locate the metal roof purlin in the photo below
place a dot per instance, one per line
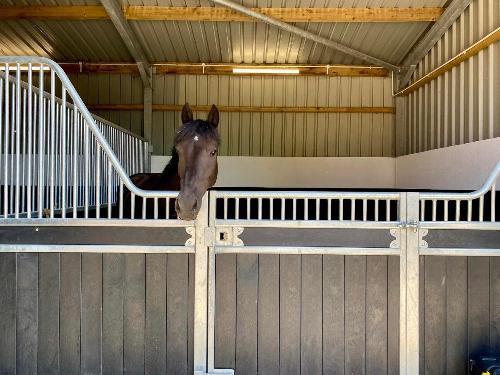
(115, 13)
(305, 34)
(418, 52)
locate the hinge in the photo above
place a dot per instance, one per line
(410, 224)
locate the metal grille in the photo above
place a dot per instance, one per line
(58, 160)
(475, 207)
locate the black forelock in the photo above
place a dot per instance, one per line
(194, 128)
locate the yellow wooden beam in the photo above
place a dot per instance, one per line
(474, 49)
(223, 108)
(226, 69)
(163, 13)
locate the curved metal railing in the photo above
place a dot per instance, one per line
(60, 161)
(476, 206)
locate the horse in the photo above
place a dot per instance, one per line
(192, 170)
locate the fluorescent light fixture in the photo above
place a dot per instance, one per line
(265, 71)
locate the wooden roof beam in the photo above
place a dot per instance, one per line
(225, 69)
(164, 13)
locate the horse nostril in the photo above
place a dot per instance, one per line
(195, 205)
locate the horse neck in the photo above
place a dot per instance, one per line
(170, 173)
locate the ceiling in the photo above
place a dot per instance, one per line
(210, 42)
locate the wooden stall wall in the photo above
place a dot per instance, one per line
(258, 134)
(96, 313)
(463, 104)
(116, 313)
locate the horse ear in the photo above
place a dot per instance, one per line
(187, 114)
(213, 116)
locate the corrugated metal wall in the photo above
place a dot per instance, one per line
(462, 105)
(259, 134)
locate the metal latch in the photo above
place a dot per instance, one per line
(410, 224)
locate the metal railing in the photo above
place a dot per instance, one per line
(477, 208)
(59, 161)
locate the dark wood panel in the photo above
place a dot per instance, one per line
(177, 314)
(268, 315)
(91, 299)
(290, 292)
(456, 316)
(355, 314)
(48, 312)
(311, 315)
(393, 315)
(225, 312)
(190, 313)
(134, 313)
(333, 314)
(435, 323)
(478, 305)
(156, 314)
(70, 313)
(7, 313)
(376, 315)
(113, 267)
(27, 314)
(495, 304)
(247, 279)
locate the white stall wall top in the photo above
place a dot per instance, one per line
(462, 167)
(297, 172)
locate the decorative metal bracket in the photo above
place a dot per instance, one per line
(191, 240)
(228, 236)
(396, 243)
(421, 242)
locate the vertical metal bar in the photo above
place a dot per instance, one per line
(259, 209)
(376, 209)
(110, 188)
(410, 289)
(18, 138)
(52, 139)
(493, 208)
(457, 210)
(446, 210)
(75, 161)
(237, 208)
(167, 208)
(24, 144)
(98, 181)
(63, 153)
(30, 136)
(306, 209)
(434, 209)
(317, 208)
(341, 209)
(329, 209)
(271, 209)
(294, 201)
(155, 208)
(365, 209)
(282, 209)
(388, 210)
(225, 208)
(120, 202)
(144, 203)
(481, 208)
(12, 148)
(132, 205)
(6, 145)
(4, 184)
(248, 208)
(204, 293)
(86, 169)
(469, 210)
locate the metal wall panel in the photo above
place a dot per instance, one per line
(462, 105)
(289, 134)
(259, 134)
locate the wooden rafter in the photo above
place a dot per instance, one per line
(163, 13)
(222, 108)
(224, 69)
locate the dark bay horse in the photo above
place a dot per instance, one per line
(192, 170)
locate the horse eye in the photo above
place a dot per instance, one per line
(213, 153)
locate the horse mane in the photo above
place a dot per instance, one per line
(171, 168)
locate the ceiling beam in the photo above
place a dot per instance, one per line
(429, 40)
(225, 69)
(114, 11)
(306, 34)
(242, 109)
(164, 13)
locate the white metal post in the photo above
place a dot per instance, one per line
(409, 286)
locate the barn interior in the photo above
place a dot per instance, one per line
(316, 96)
